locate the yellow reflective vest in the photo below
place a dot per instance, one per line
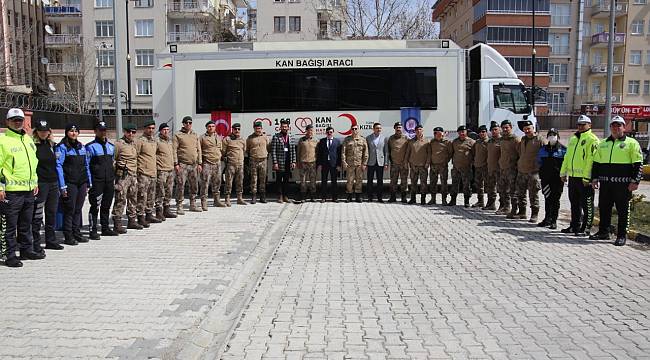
(580, 155)
(17, 162)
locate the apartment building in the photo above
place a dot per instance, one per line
(296, 20)
(22, 67)
(84, 56)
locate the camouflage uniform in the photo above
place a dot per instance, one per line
(492, 179)
(480, 169)
(418, 156)
(257, 148)
(188, 152)
(211, 146)
(126, 185)
(233, 150)
(441, 152)
(508, 171)
(528, 174)
(462, 171)
(147, 172)
(399, 169)
(354, 155)
(307, 164)
(165, 160)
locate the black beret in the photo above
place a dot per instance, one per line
(187, 119)
(101, 125)
(526, 123)
(438, 128)
(418, 126)
(209, 123)
(163, 126)
(129, 127)
(71, 127)
(397, 124)
(149, 122)
(482, 128)
(308, 127)
(257, 124)
(461, 128)
(506, 122)
(236, 125)
(493, 125)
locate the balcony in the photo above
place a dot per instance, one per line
(62, 11)
(601, 39)
(62, 40)
(63, 68)
(601, 98)
(601, 69)
(601, 10)
(189, 37)
(188, 8)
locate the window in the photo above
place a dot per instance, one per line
(279, 24)
(557, 102)
(103, 3)
(143, 3)
(598, 58)
(510, 97)
(104, 28)
(646, 87)
(294, 23)
(105, 58)
(637, 27)
(560, 14)
(600, 28)
(640, 2)
(559, 73)
(595, 88)
(517, 6)
(647, 57)
(144, 57)
(515, 35)
(522, 65)
(316, 89)
(337, 28)
(106, 87)
(559, 44)
(144, 87)
(633, 87)
(635, 57)
(586, 28)
(144, 28)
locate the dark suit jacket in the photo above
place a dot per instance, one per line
(334, 153)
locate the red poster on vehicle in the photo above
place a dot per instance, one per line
(222, 119)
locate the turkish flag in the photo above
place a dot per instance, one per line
(222, 119)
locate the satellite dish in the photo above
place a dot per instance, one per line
(46, 2)
(44, 60)
(51, 87)
(49, 30)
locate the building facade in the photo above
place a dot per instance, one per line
(294, 20)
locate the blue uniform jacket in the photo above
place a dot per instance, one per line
(72, 164)
(100, 159)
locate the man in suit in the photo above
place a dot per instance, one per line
(328, 160)
(377, 155)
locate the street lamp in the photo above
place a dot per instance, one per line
(100, 88)
(533, 60)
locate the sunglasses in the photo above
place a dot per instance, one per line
(132, 131)
(187, 122)
(235, 129)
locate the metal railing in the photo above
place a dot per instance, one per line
(188, 37)
(62, 10)
(603, 38)
(189, 6)
(63, 68)
(602, 68)
(601, 98)
(604, 6)
(63, 39)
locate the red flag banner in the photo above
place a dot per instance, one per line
(222, 120)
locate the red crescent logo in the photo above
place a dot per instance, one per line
(353, 122)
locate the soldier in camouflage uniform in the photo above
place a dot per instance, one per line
(211, 146)
(354, 157)
(462, 171)
(234, 148)
(480, 165)
(188, 154)
(306, 154)
(146, 145)
(494, 151)
(165, 160)
(399, 169)
(126, 185)
(441, 151)
(257, 147)
(418, 155)
(508, 169)
(528, 172)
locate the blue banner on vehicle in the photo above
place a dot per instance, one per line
(410, 119)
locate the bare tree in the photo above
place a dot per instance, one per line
(15, 44)
(416, 23)
(389, 19)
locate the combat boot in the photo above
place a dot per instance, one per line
(480, 203)
(117, 226)
(227, 202)
(69, 239)
(263, 198)
(160, 215)
(142, 221)
(133, 224)
(504, 209)
(299, 198)
(357, 198)
(217, 201)
(193, 207)
(152, 219)
(522, 213)
(281, 199)
(106, 231)
(534, 214)
(392, 198)
(349, 199)
(412, 200)
(444, 199)
(285, 198)
(433, 199)
(93, 235)
(403, 197)
(452, 201)
(179, 209)
(489, 206)
(240, 199)
(253, 199)
(167, 212)
(204, 204)
(311, 197)
(423, 199)
(513, 212)
(466, 201)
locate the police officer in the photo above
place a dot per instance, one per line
(399, 168)
(100, 153)
(441, 152)
(492, 179)
(188, 157)
(165, 160)
(18, 186)
(528, 172)
(480, 165)
(306, 154)
(211, 147)
(354, 157)
(74, 180)
(126, 183)
(234, 148)
(462, 160)
(508, 156)
(283, 154)
(147, 146)
(257, 147)
(617, 170)
(576, 167)
(418, 156)
(550, 160)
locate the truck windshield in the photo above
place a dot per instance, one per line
(511, 97)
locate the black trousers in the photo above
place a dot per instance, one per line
(100, 197)
(17, 211)
(328, 171)
(552, 190)
(582, 204)
(283, 176)
(378, 171)
(614, 194)
(72, 205)
(45, 206)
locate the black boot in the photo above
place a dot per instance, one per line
(254, 198)
(380, 197)
(93, 234)
(423, 199)
(452, 201)
(80, 238)
(263, 198)
(106, 231)
(392, 198)
(69, 239)
(412, 201)
(466, 201)
(349, 199)
(444, 199)
(299, 198)
(357, 198)
(403, 196)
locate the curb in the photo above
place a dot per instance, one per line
(209, 340)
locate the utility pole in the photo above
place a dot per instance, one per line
(118, 105)
(128, 63)
(533, 59)
(610, 67)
